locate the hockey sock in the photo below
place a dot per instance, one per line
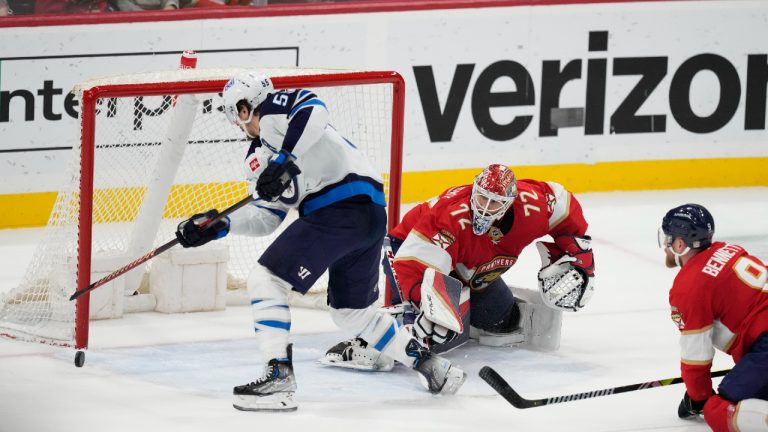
(271, 313)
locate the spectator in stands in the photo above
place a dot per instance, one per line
(16, 7)
(220, 3)
(69, 6)
(137, 5)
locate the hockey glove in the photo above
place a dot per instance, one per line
(197, 231)
(581, 249)
(277, 176)
(689, 408)
(567, 272)
(430, 333)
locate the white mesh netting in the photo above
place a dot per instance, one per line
(131, 134)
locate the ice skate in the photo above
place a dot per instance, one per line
(436, 373)
(355, 354)
(273, 391)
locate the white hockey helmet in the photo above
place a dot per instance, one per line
(493, 193)
(250, 87)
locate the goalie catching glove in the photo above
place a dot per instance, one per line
(197, 230)
(567, 272)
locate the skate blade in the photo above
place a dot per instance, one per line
(282, 401)
(367, 367)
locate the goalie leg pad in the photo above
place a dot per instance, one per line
(539, 325)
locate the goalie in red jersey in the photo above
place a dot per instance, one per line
(719, 299)
(475, 233)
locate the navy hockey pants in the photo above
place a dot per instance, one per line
(343, 238)
(749, 378)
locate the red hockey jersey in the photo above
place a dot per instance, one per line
(438, 234)
(719, 300)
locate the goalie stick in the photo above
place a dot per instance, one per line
(153, 253)
(507, 392)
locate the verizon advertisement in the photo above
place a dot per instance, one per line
(528, 85)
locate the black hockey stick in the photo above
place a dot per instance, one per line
(155, 252)
(505, 390)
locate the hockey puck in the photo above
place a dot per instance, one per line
(79, 358)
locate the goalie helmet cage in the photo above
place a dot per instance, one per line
(129, 185)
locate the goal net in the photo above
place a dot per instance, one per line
(155, 148)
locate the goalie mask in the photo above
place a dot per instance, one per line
(246, 87)
(493, 193)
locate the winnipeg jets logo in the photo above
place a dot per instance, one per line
(303, 272)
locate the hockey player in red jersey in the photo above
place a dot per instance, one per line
(719, 299)
(475, 233)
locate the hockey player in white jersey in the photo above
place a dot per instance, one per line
(298, 160)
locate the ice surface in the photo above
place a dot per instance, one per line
(157, 372)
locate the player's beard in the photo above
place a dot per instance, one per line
(669, 259)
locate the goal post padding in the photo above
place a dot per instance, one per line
(155, 149)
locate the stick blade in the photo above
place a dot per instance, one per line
(504, 389)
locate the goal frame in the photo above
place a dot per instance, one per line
(91, 95)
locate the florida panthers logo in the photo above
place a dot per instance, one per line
(490, 271)
(677, 318)
(495, 234)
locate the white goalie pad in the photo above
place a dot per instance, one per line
(540, 325)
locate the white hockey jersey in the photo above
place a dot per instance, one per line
(332, 168)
